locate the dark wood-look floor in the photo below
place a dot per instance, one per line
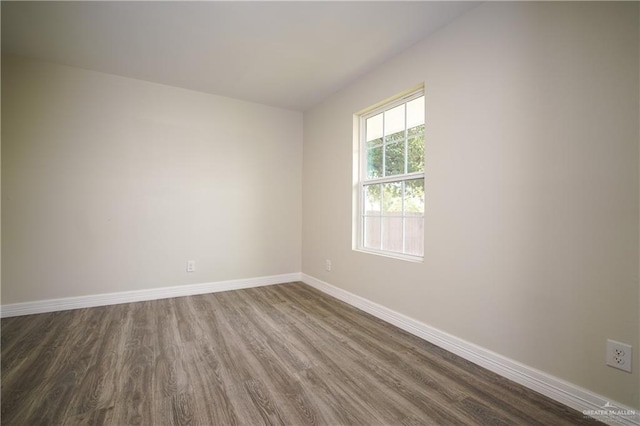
(284, 354)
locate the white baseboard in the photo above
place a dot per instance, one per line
(52, 305)
(557, 389)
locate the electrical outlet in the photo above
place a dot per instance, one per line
(327, 265)
(619, 355)
(191, 265)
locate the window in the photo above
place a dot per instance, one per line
(391, 178)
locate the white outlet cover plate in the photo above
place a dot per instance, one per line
(619, 355)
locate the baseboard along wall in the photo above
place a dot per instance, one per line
(590, 403)
(53, 305)
(585, 401)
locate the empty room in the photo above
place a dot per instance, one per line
(320, 213)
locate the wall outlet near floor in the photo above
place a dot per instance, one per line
(191, 265)
(327, 265)
(619, 355)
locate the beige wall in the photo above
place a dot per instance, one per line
(110, 184)
(531, 239)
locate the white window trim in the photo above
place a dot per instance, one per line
(360, 178)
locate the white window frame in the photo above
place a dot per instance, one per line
(363, 181)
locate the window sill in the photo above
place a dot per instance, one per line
(399, 256)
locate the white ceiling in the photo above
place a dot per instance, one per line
(285, 54)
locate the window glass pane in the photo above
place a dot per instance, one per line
(374, 143)
(415, 112)
(395, 137)
(371, 232)
(414, 197)
(414, 236)
(394, 120)
(415, 154)
(374, 127)
(416, 131)
(392, 215)
(392, 198)
(372, 199)
(394, 159)
(392, 234)
(374, 162)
